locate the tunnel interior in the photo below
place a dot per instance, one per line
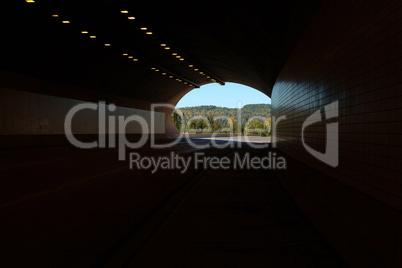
(59, 52)
(333, 72)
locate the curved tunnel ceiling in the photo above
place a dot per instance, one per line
(184, 45)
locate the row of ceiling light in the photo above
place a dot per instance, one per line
(130, 55)
(175, 54)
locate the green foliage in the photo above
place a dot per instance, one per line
(255, 119)
(176, 120)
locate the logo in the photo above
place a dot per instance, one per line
(330, 156)
(108, 123)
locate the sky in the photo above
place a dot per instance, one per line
(223, 96)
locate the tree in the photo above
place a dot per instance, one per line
(177, 120)
(210, 112)
(217, 125)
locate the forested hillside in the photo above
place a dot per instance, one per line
(208, 119)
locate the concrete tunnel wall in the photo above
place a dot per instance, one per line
(350, 53)
(38, 114)
(31, 114)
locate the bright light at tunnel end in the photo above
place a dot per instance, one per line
(112, 134)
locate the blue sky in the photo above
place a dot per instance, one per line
(224, 96)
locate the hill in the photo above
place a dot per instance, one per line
(212, 112)
(247, 111)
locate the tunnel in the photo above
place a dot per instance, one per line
(74, 74)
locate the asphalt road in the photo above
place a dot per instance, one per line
(68, 207)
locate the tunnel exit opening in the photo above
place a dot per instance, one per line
(232, 110)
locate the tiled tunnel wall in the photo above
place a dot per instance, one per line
(351, 53)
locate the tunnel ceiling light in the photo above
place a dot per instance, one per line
(195, 69)
(164, 45)
(153, 68)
